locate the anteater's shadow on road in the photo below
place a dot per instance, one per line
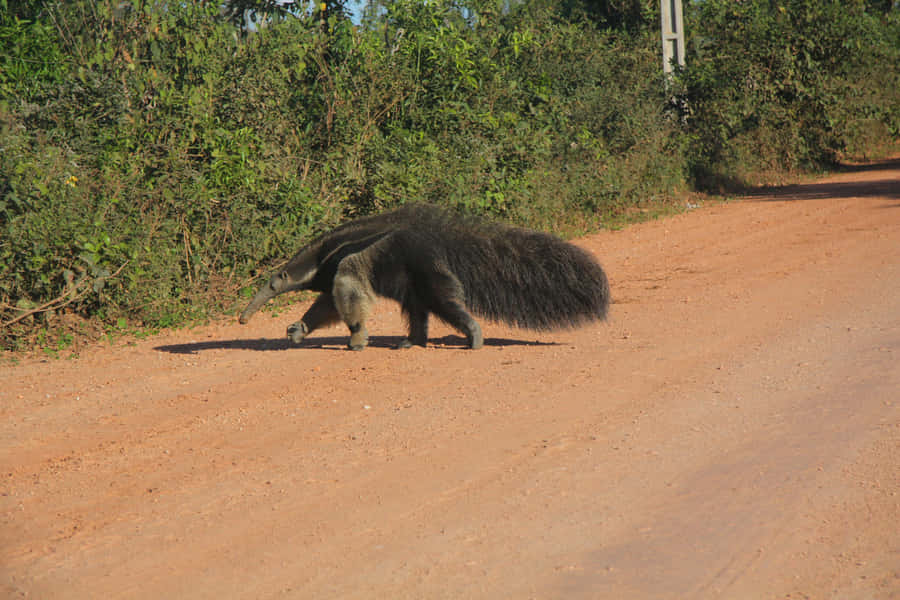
(330, 343)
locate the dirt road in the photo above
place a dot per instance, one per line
(733, 431)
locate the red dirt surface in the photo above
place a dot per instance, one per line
(733, 431)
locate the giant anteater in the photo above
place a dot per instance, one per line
(431, 260)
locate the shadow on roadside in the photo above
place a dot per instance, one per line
(330, 343)
(882, 188)
(890, 188)
(878, 165)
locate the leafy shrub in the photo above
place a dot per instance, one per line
(156, 158)
(787, 85)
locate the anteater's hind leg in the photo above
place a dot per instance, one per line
(321, 313)
(354, 297)
(448, 302)
(417, 318)
(455, 314)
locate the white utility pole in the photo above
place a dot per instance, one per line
(672, 35)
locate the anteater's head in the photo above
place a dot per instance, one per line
(296, 275)
(315, 265)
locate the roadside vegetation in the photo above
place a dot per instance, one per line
(156, 157)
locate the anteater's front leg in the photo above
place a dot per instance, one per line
(321, 313)
(354, 297)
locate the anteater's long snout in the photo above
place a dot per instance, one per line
(278, 284)
(261, 297)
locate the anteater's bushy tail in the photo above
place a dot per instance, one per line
(517, 276)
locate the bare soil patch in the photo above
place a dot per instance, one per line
(733, 431)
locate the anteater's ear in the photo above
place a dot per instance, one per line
(284, 275)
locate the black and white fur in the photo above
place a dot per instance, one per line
(431, 260)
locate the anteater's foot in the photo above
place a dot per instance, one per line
(297, 331)
(411, 341)
(359, 337)
(476, 341)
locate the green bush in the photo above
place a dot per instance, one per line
(156, 158)
(787, 85)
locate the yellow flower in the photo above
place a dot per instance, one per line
(71, 181)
